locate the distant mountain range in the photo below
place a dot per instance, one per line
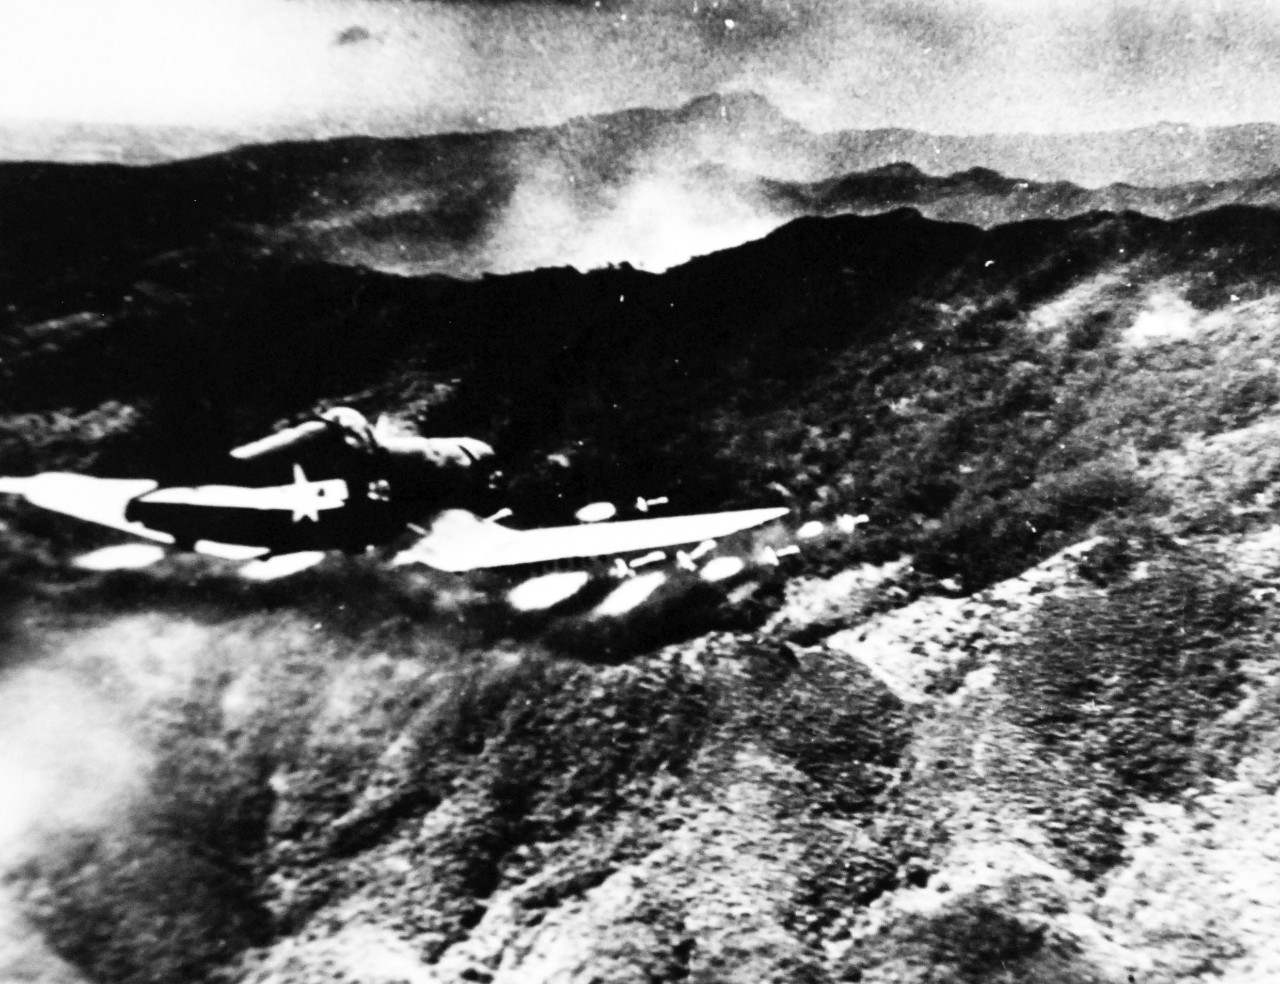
(985, 197)
(108, 143)
(647, 187)
(736, 129)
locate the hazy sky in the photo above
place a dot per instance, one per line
(940, 65)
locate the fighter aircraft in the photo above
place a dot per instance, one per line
(282, 529)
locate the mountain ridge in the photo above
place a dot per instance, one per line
(468, 206)
(1159, 154)
(1030, 703)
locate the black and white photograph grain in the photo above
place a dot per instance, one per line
(639, 491)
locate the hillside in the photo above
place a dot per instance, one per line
(652, 188)
(1020, 727)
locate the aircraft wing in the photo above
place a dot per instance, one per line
(103, 501)
(460, 541)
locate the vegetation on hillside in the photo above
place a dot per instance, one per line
(356, 751)
(889, 365)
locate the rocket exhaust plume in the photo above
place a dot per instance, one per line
(596, 512)
(809, 530)
(722, 568)
(630, 594)
(282, 566)
(547, 591)
(122, 557)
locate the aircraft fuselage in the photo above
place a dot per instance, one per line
(303, 516)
